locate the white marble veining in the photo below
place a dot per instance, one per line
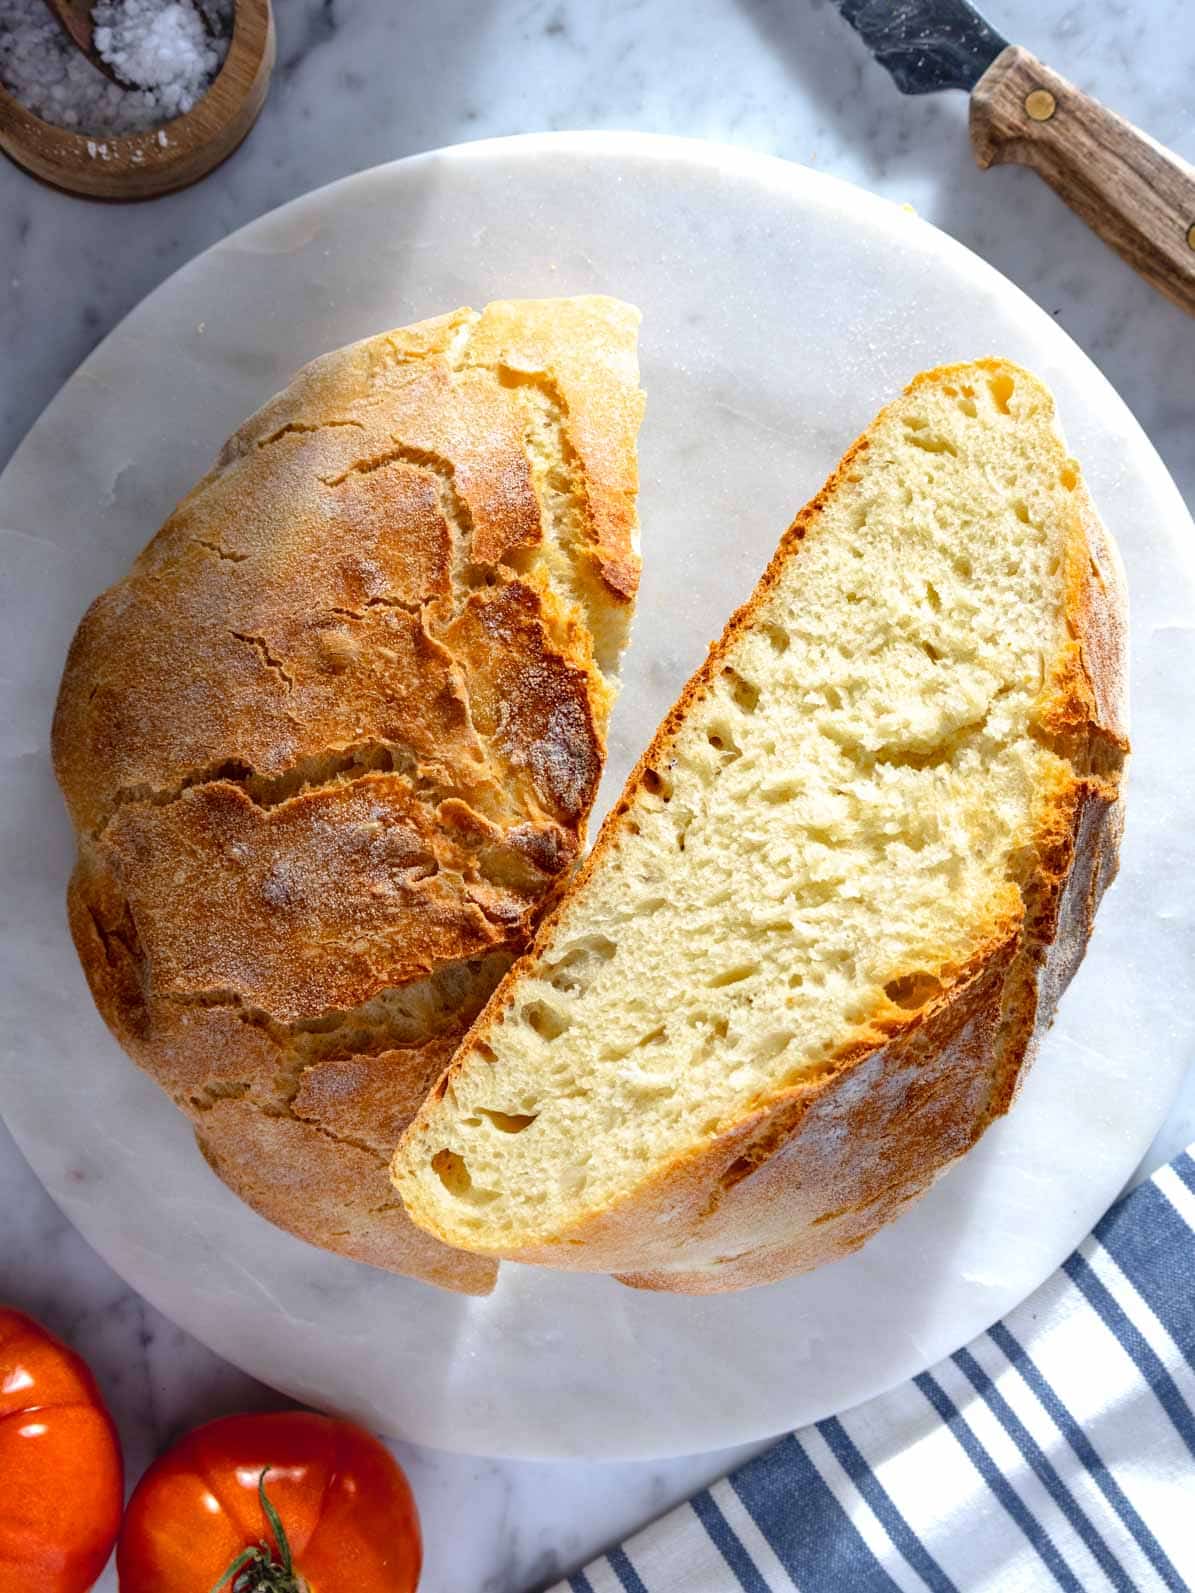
(358, 84)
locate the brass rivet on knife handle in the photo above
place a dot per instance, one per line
(1040, 104)
(1137, 196)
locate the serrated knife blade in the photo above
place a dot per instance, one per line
(1138, 197)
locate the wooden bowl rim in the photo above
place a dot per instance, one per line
(68, 150)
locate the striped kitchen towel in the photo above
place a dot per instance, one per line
(1056, 1451)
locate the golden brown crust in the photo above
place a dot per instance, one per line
(288, 1170)
(337, 734)
(775, 1193)
(906, 1108)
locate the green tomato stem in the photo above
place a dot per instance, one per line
(255, 1570)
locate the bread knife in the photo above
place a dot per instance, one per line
(1136, 195)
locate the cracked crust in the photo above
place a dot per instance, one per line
(330, 745)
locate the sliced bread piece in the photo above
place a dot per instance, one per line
(818, 936)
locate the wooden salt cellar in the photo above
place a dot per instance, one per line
(160, 160)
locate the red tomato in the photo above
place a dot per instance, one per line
(341, 1499)
(61, 1478)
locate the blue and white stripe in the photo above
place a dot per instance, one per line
(1055, 1452)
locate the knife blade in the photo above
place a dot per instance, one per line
(1138, 197)
(926, 45)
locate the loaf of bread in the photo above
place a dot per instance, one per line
(811, 952)
(332, 742)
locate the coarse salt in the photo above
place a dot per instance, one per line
(167, 51)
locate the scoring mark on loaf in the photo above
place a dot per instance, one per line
(465, 576)
(229, 555)
(298, 427)
(305, 775)
(261, 648)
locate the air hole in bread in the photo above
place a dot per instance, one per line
(932, 597)
(819, 892)
(453, 1173)
(619, 1053)
(783, 789)
(964, 567)
(1001, 388)
(723, 742)
(916, 422)
(508, 1122)
(777, 636)
(933, 444)
(657, 784)
(733, 976)
(485, 1052)
(743, 693)
(931, 652)
(1021, 509)
(772, 1045)
(1069, 476)
(548, 1022)
(650, 905)
(968, 407)
(911, 991)
(600, 947)
(573, 970)
(833, 697)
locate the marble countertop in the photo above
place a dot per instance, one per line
(359, 83)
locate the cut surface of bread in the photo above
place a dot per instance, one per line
(816, 939)
(332, 742)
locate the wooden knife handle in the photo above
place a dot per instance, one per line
(1136, 195)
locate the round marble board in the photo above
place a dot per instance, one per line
(781, 309)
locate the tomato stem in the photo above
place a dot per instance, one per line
(255, 1569)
